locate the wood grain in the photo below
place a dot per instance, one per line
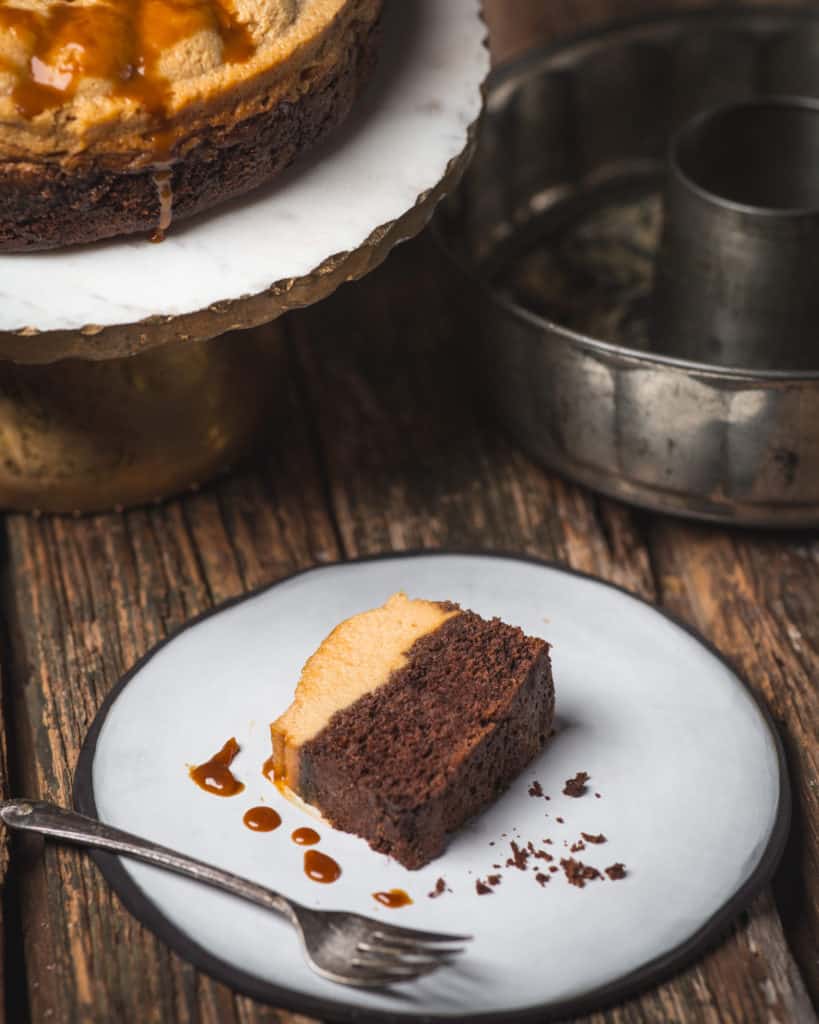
(379, 442)
(87, 598)
(6, 919)
(412, 462)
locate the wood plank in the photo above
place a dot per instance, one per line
(413, 462)
(86, 598)
(6, 939)
(755, 597)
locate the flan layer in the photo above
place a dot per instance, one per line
(361, 655)
(223, 94)
(411, 751)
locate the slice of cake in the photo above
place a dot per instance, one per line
(411, 718)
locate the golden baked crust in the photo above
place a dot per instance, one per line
(92, 91)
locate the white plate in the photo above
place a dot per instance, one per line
(693, 800)
(413, 120)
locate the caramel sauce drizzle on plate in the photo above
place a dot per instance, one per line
(320, 868)
(393, 898)
(262, 819)
(215, 776)
(305, 837)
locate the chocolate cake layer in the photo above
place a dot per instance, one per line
(407, 764)
(45, 204)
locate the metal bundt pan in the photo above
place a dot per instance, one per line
(557, 226)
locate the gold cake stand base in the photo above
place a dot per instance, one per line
(77, 436)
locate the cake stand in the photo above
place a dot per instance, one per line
(101, 403)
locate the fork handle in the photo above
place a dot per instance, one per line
(58, 823)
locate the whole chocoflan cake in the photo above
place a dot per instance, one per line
(117, 116)
(411, 718)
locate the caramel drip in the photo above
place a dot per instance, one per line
(164, 188)
(320, 868)
(120, 41)
(393, 898)
(262, 819)
(215, 776)
(305, 837)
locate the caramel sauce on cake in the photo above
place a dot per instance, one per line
(114, 113)
(119, 42)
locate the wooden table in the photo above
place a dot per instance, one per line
(376, 445)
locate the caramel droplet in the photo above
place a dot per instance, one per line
(393, 899)
(269, 769)
(320, 868)
(262, 819)
(215, 776)
(305, 837)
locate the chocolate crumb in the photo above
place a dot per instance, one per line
(593, 839)
(541, 878)
(578, 846)
(536, 789)
(577, 873)
(494, 879)
(548, 842)
(597, 795)
(560, 820)
(439, 890)
(554, 868)
(616, 872)
(519, 858)
(576, 786)
(482, 888)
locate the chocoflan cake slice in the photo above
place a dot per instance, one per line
(411, 718)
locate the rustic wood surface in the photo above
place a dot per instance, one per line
(377, 445)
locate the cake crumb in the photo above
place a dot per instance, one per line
(482, 888)
(562, 822)
(578, 846)
(519, 858)
(577, 786)
(577, 873)
(554, 868)
(542, 879)
(439, 890)
(597, 795)
(616, 872)
(536, 789)
(593, 839)
(494, 880)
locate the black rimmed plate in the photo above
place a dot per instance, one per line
(693, 798)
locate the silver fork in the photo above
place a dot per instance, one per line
(346, 948)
